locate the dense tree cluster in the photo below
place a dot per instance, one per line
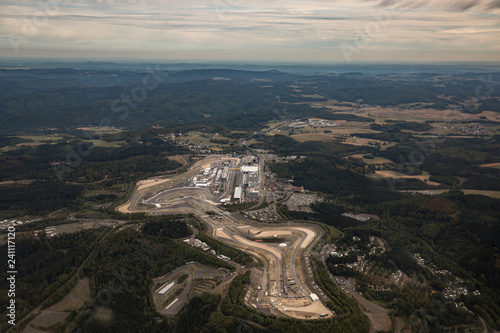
(138, 257)
(166, 227)
(43, 265)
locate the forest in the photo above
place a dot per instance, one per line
(194, 96)
(139, 256)
(44, 264)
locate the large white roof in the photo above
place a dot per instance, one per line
(237, 192)
(250, 168)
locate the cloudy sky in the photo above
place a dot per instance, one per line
(253, 30)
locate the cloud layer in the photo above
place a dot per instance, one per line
(272, 30)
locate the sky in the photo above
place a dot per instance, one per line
(314, 31)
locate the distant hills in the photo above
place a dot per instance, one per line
(304, 68)
(65, 97)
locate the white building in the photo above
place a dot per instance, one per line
(250, 168)
(166, 288)
(237, 193)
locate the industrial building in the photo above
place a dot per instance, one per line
(237, 193)
(253, 193)
(247, 180)
(250, 168)
(252, 180)
(166, 288)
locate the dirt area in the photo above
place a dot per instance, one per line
(49, 318)
(262, 246)
(355, 141)
(16, 182)
(489, 165)
(124, 208)
(267, 233)
(295, 308)
(30, 329)
(376, 160)
(142, 184)
(394, 174)
(280, 232)
(310, 236)
(313, 137)
(62, 309)
(379, 316)
(221, 234)
(76, 298)
(493, 194)
(178, 158)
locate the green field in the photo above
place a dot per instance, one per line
(106, 144)
(41, 138)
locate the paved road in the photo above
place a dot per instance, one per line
(194, 271)
(173, 180)
(199, 208)
(231, 177)
(194, 200)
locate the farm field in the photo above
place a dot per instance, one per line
(492, 194)
(375, 160)
(58, 312)
(394, 174)
(491, 165)
(422, 115)
(41, 138)
(106, 144)
(313, 137)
